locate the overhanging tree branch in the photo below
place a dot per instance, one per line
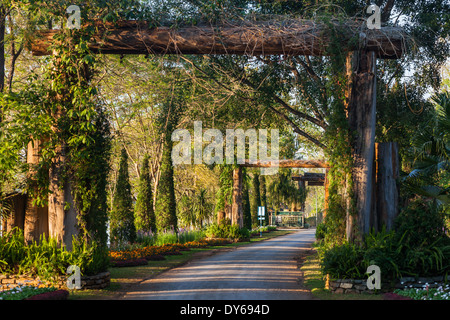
(297, 129)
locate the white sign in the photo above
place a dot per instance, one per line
(261, 211)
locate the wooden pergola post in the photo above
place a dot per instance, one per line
(387, 191)
(326, 183)
(62, 214)
(361, 108)
(31, 229)
(237, 212)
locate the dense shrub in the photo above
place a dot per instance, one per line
(321, 230)
(395, 259)
(417, 247)
(421, 221)
(168, 236)
(226, 230)
(258, 230)
(345, 261)
(47, 259)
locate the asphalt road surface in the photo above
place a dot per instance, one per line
(265, 270)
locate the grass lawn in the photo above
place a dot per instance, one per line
(125, 277)
(314, 281)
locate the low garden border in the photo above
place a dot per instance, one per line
(98, 281)
(346, 286)
(53, 295)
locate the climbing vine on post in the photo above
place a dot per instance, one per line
(340, 203)
(61, 112)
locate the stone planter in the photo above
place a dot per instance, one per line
(341, 286)
(98, 281)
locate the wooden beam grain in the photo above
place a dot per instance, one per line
(290, 37)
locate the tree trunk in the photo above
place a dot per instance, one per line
(387, 189)
(31, 225)
(13, 53)
(361, 108)
(62, 214)
(236, 208)
(326, 185)
(220, 216)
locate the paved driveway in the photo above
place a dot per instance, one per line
(262, 271)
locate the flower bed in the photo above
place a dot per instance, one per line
(148, 253)
(129, 263)
(140, 256)
(422, 288)
(52, 295)
(218, 241)
(157, 257)
(426, 292)
(32, 292)
(394, 296)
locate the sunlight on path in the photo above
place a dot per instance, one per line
(262, 271)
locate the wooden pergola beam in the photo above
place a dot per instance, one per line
(275, 37)
(286, 164)
(316, 183)
(308, 179)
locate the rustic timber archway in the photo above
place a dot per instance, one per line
(274, 37)
(237, 211)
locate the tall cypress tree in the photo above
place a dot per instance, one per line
(165, 205)
(122, 218)
(263, 193)
(144, 214)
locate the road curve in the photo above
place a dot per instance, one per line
(262, 271)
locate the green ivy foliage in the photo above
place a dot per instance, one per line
(225, 192)
(61, 110)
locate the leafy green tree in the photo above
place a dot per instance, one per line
(195, 209)
(283, 190)
(431, 162)
(202, 207)
(144, 214)
(122, 226)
